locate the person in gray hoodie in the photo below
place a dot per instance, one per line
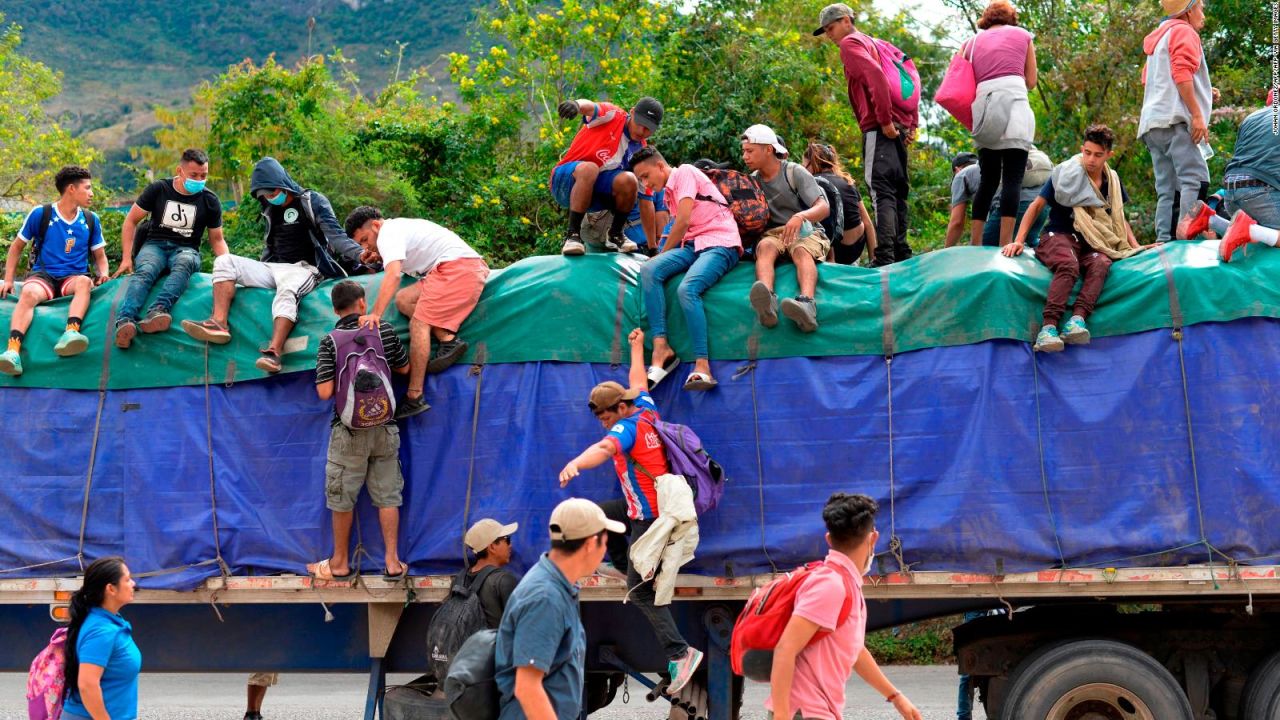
(303, 245)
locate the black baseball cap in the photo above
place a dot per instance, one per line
(648, 113)
(964, 159)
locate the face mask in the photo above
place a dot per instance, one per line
(871, 558)
(193, 186)
(279, 199)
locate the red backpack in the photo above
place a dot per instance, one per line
(769, 609)
(746, 201)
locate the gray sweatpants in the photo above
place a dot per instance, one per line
(1180, 169)
(290, 280)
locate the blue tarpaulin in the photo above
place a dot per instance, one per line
(983, 457)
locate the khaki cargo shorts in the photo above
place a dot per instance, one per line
(816, 245)
(359, 458)
(264, 679)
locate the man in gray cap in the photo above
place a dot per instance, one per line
(541, 647)
(490, 540)
(595, 172)
(885, 128)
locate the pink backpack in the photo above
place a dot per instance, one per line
(47, 680)
(900, 70)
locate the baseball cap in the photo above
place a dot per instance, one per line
(648, 113)
(705, 164)
(764, 135)
(486, 532)
(577, 518)
(963, 159)
(1174, 8)
(1039, 167)
(607, 394)
(830, 14)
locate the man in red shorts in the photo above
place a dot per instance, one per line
(451, 277)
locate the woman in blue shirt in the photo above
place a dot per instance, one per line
(102, 660)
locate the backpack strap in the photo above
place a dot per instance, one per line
(640, 466)
(46, 217)
(91, 221)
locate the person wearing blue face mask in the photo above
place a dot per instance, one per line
(181, 210)
(303, 245)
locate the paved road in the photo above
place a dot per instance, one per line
(341, 697)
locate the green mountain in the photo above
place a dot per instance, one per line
(119, 58)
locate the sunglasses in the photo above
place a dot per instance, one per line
(504, 539)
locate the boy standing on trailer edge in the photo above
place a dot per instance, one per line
(809, 675)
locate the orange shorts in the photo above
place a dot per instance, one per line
(449, 293)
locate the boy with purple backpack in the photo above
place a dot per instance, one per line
(354, 368)
(639, 458)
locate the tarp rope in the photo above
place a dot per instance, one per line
(213, 485)
(103, 378)
(477, 371)
(750, 369)
(890, 344)
(1044, 473)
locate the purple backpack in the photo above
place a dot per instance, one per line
(362, 389)
(687, 457)
(46, 683)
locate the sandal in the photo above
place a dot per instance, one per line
(658, 374)
(391, 577)
(322, 571)
(699, 382)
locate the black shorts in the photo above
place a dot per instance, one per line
(54, 287)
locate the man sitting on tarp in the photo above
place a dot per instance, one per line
(1086, 232)
(303, 245)
(595, 172)
(797, 206)
(634, 446)
(63, 252)
(1252, 181)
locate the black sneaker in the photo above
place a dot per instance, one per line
(445, 354)
(411, 406)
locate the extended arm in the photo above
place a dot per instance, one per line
(1028, 219)
(127, 232)
(684, 213)
(870, 673)
(386, 294)
(11, 265)
(955, 226)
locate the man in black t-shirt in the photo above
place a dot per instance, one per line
(304, 244)
(181, 209)
(490, 540)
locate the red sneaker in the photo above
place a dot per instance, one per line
(1196, 223)
(1237, 235)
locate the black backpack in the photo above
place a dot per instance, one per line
(833, 225)
(46, 217)
(471, 687)
(460, 617)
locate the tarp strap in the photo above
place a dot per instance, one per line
(615, 350)
(104, 376)
(750, 369)
(213, 486)
(895, 542)
(1044, 474)
(477, 371)
(886, 310)
(1175, 307)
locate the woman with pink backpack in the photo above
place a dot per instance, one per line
(90, 670)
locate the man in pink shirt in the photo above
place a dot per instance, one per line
(704, 241)
(809, 673)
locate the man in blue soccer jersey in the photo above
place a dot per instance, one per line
(66, 246)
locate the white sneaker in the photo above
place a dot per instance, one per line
(628, 247)
(607, 569)
(573, 246)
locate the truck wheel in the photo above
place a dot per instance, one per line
(1093, 680)
(1261, 699)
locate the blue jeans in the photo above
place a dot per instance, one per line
(153, 259)
(562, 183)
(991, 230)
(1260, 203)
(704, 270)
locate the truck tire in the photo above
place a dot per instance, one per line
(1100, 679)
(1261, 699)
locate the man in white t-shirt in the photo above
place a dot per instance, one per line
(451, 278)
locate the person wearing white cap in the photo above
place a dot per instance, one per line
(1177, 104)
(490, 540)
(796, 207)
(541, 647)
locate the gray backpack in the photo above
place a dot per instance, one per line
(471, 688)
(460, 617)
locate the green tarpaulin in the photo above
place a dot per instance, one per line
(581, 309)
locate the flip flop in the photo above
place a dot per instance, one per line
(700, 382)
(390, 577)
(658, 374)
(321, 571)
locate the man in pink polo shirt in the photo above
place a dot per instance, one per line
(809, 675)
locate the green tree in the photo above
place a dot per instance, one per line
(32, 145)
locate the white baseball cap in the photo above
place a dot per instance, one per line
(577, 518)
(764, 135)
(486, 532)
